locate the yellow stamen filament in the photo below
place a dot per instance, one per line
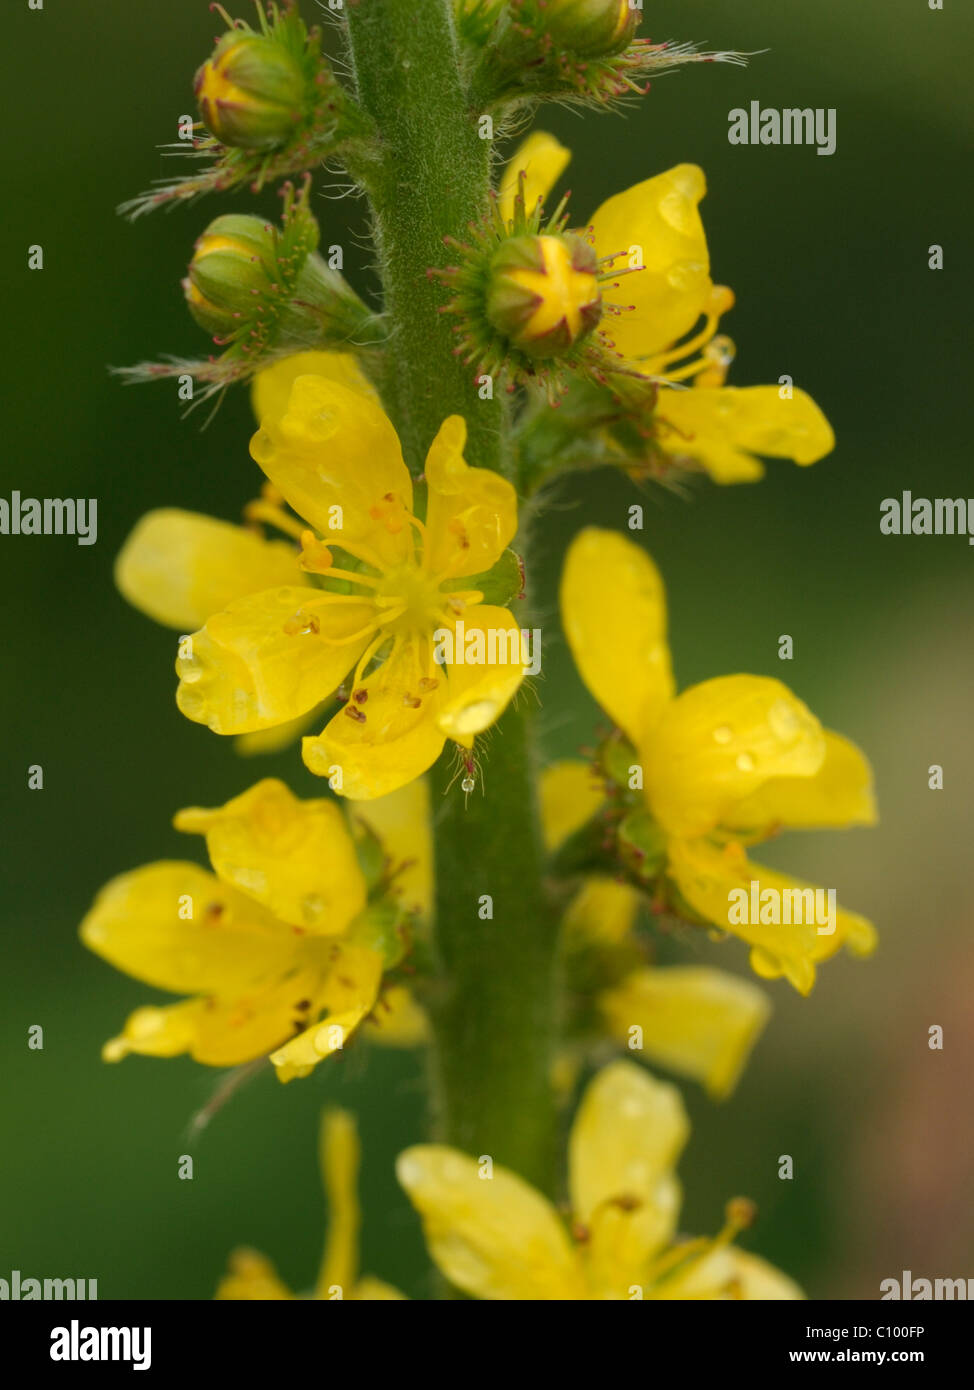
(272, 515)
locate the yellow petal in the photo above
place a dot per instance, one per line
(339, 1155)
(271, 390)
(543, 160)
(706, 875)
(219, 1032)
(570, 793)
(625, 1141)
(723, 428)
(613, 611)
(471, 514)
(720, 741)
(387, 739)
(602, 910)
(729, 1274)
(397, 1020)
(300, 1056)
(402, 822)
(335, 457)
(251, 1275)
(264, 742)
(348, 994)
(294, 857)
(179, 567)
(695, 1021)
(269, 658)
(476, 694)
(369, 1290)
(177, 927)
(629, 1132)
(494, 1237)
(656, 225)
(166, 1030)
(757, 1280)
(839, 794)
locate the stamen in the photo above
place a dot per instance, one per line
(273, 515)
(721, 299)
(316, 558)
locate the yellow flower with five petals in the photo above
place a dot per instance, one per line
(725, 764)
(653, 238)
(268, 658)
(278, 949)
(181, 567)
(496, 1237)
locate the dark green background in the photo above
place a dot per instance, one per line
(828, 257)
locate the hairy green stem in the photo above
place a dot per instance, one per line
(430, 179)
(494, 1001)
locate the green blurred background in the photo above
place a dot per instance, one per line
(828, 257)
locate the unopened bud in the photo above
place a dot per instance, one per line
(591, 27)
(232, 265)
(543, 294)
(253, 93)
(267, 289)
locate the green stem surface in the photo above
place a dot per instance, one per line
(494, 1001)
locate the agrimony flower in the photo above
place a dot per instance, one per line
(372, 621)
(496, 1237)
(693, 1020)
(251, 1276)
(654, 270)
(725, 764)
(279, 949)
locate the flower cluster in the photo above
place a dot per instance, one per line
(342, 611)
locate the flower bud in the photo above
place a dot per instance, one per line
(591, 27)
(266, 289)
(231, 266)
(253, 92)
(543, 294)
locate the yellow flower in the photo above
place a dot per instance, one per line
(725, 764)
(496, 1237)
(278, 949)
(270, 657)
(251, 1276)
(180, 567)
(652, 237)
(696, 1021)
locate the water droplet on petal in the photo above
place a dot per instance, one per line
(745, 763)
(723, 734)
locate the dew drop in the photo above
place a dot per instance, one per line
(723, 734)
(745, 763)
(468, 784)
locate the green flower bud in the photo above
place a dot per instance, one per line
(253, 92)
(591, 27)
(543, 293)
(233, 264)
(266, 290)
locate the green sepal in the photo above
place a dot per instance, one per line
(382, 927)
(500, 585)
